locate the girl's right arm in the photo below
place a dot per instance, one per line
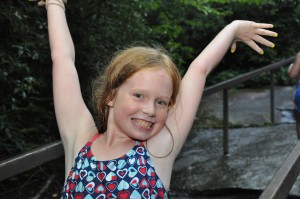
(182, 115)
(294, 69)
(75, 122)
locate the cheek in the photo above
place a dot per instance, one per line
(162, 115)
(131, 107)
(126, 108)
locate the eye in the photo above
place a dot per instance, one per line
(162, 103)
(138, 95)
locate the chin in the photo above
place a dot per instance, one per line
(142, 138)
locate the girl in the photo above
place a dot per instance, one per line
(145, 111)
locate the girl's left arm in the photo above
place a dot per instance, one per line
(181, 116)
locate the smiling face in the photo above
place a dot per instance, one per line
(140, 107)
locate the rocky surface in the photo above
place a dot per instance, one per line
(255, 152)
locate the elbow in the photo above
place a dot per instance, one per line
(291, 73)
(59, 56)
(201, 68)
(298, 55)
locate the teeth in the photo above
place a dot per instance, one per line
(143, 123)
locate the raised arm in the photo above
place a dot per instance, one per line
(294, 68)
(183, 114)
(73, 117)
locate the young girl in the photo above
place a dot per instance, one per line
(145, 111)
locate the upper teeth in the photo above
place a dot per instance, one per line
(142, 123)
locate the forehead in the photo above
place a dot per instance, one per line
(156, 80)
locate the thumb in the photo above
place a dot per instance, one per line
(41, 3)
(233, 47)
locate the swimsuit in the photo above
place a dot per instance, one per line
(129, 176)
(297, 99)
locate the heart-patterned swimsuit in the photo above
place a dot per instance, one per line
(130, 176)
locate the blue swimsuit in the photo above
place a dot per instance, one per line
(297, 98)
(130, 176)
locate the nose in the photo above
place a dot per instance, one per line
(149, 109)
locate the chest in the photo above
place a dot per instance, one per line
(131, 174)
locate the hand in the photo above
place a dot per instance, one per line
(251, 33)
(40, 2)
(43, 2)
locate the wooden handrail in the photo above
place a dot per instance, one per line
(244, 77)
(31, 159)
(282, 182)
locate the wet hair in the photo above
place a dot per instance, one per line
(122, 66)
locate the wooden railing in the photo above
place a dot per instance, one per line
(31, 159)
(278, 188)
(225, 85)
(284, 179)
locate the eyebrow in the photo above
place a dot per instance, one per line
(145, 91)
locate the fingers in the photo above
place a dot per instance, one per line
(252, 34)
(264, 32)
(259, 39)
(263, 41)
(41, 3)
(254, 46)
(233, 47)
(263, 25)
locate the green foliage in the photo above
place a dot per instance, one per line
(181, 30)
(27, 117)
(112, 25)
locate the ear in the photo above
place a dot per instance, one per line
(110, 100)
(110, 103)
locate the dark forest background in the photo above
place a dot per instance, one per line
(100, 27)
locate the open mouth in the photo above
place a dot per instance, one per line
(142, 123)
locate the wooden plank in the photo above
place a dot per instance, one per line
(282, 183)
(31, 159)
